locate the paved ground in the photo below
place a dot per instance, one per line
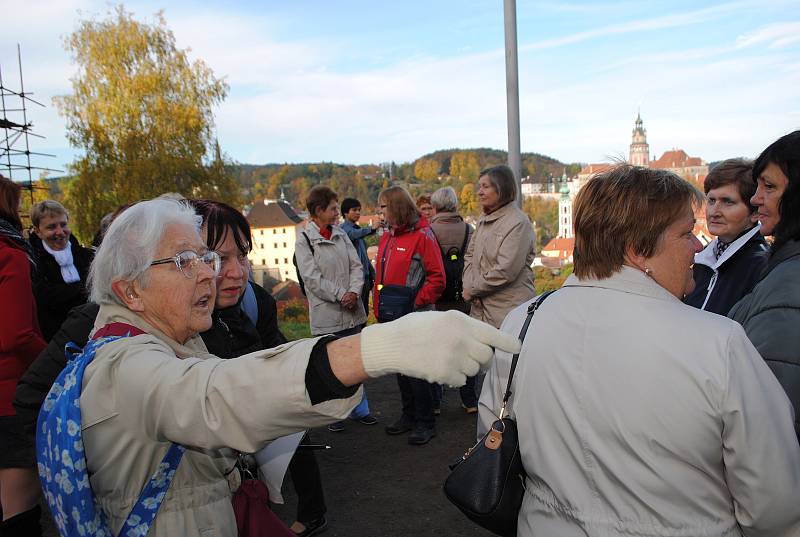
(379, 486)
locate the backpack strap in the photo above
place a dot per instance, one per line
(308, 241)
(61, 455)
(466, 238)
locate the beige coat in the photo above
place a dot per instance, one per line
(332, 270)
(640, 415)
(497, 265)
(138, 397)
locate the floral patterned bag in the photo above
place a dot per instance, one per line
(62, 462)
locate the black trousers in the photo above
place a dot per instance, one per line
(307, 481)
(417, 397)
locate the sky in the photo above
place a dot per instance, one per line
(369, 82)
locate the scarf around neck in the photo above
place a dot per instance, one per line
(64, 259)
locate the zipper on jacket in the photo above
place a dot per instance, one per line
(711, 285)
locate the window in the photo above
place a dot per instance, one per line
(286, 272)
(263, 261)
(286, 260)
(262, 231)
(283, 230)
(276, 260)
(274, 231)
(275, 244)
(284, 245)
(262, 244)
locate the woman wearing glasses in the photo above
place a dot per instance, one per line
(158, 387)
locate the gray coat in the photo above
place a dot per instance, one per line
(770, 315)
(331, 271)
(640, 415)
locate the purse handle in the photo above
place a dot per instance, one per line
(531, 310)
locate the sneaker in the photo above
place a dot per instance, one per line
(369, 419)
(399, 427)
(421, 435)
(469, 409)
(336, 427)
(313, 528)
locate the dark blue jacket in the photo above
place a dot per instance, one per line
(357, 234)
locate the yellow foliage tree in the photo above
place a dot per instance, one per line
(469, 201)
(141, 111)
(426, 169)
(465, 165)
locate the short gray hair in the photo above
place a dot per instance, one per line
(445, 200)
(130, 244)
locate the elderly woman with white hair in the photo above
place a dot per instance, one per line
(156, 412)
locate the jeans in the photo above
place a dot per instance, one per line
(417, 397)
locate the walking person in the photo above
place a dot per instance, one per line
(20, 343)
(731, 264)
(333, 277)
(409, 258)
(62, 265)
(637, 414)
(770, 314)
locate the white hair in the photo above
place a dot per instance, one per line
(130, 244)
(445, 200)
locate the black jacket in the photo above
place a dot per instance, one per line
(54, 298)
(231, 334)
(727, 280)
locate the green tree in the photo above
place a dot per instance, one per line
(141, 111)
(426, 169)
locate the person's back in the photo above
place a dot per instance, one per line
(640, 415)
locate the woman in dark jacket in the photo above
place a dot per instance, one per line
(62, 265)
(20, 343)
(770, 314)
(729, 267)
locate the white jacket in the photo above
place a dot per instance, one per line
(640, 415)
(332, 270)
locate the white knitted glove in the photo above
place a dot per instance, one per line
(438, 346)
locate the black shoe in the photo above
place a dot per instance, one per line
(369, 419)
(314, 527)
(421, 435)
(399, 427)
(336, 427)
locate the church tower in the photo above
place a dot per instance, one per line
(640, 150)
(565, 211)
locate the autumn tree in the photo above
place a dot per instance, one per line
(141, 112)
(426, 169)
(464, 165)
(544, 212)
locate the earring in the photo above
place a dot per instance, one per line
(648, 271)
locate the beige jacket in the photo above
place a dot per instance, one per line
(497, 265)
(138, 397)
(332, 270)
(640, 415)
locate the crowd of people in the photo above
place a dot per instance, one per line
(657, 392)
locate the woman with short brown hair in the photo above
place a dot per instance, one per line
(638, 414)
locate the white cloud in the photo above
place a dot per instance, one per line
(776, 35)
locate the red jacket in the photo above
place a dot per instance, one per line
(20, 338)
(412, 256)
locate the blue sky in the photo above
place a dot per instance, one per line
(359, 81)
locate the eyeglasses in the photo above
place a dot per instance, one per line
(187, 262)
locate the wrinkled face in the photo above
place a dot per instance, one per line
(487, 194)
(770, 187)
(671, 265)
(353, 215)
(426, 209)
(178, 306)
(328, 216)
(727, 213)
(233, 275)
(54, 231)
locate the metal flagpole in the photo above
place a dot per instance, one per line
(512, 94)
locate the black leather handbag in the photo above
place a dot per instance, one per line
(488, 482)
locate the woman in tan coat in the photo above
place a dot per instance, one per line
(158, 386)
(497, 266)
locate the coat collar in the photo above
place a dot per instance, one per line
(790, 249)
(113, 313)
(499, 213)
(706, 257)
(313, 231)
(626, 280)
(447, 218)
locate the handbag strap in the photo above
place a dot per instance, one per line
(531, 310)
